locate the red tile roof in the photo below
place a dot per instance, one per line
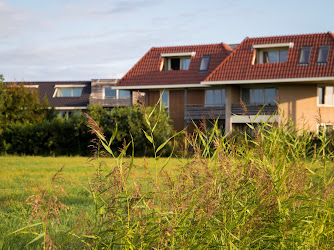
(147, 70)
(238, 66)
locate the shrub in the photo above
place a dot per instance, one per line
(130, 123)
(71, 137)
(55, 137)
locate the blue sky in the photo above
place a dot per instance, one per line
(87, 39)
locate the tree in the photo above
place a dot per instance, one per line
(20, 105)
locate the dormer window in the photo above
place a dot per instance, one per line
(271, 53)
(68, 90)
(323, 54)
(176, 61)
(274, 56)
(305, 55)
(204, 64)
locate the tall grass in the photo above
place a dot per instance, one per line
(270, 191)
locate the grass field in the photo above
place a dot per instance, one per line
(20, 177)
(271, 191)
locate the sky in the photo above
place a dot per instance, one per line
(51, 40)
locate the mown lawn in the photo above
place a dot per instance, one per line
(20, 177)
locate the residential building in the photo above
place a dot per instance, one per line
(295, 71)
(104, 94)
(175, 74)
(67, 97)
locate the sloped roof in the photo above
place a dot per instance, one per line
(147, 70)
(238, 66)
(48, 88)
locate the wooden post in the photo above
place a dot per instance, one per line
(185, 105)
(228, 109)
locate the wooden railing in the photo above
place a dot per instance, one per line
(199, 111)
(269, 109)
(113, 102)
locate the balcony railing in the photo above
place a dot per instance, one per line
(198, 111)
(269, 109)
(112, 102)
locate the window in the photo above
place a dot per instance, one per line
(258, 95)
(270, 95)
(327, 128)
(68, 92)
(271, 53)
(65, 114)
(110, 93)
(176, 63)
(204, 63)
(305, 55)
(165, 98)
(323, 54)
(273, 56)
(326, 95)
(123, 94)
(321, 95)
(215, 97)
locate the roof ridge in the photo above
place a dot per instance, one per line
(189, 45)
(72, 81)
(275, 36)
(331, 34)
(226, 47)
(226, 59)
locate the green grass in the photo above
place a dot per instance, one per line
(271, 191)
(20, 177)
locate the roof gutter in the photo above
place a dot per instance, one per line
(169, 86)
(272, 45)
(282, 80)
(70, 85)
(192, 53)
(70, 108)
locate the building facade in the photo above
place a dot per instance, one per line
(174, 75)
(281, 76)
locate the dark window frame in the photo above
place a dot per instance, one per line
(265, 55)
(326, 60)
(176, 63)
(306, 62)
(207, 68)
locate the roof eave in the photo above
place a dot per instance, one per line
(166, 86)
(282, 80)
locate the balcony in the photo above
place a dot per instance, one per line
(112, 102)
(198, 111)
(253, 109)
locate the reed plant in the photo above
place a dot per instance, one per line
(273, 190)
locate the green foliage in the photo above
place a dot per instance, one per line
(21, 105)
(61, 137)
(268, 192)
(130, 122)
(55, 137)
